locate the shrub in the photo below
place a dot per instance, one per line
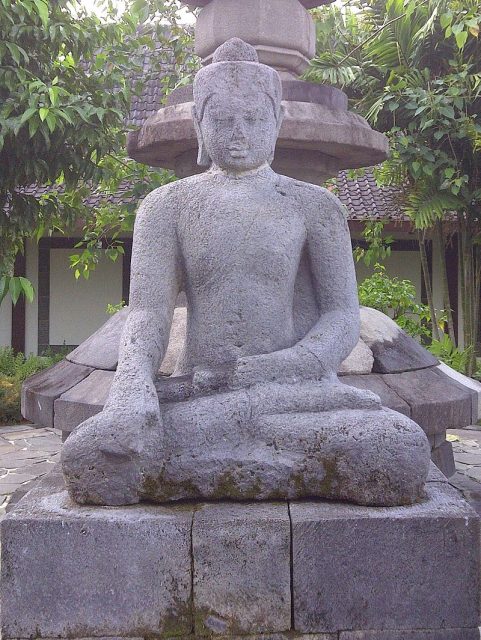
(397, 299)
(14, 369)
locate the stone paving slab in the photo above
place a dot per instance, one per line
(26, 453)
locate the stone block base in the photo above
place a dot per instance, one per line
(313, 570)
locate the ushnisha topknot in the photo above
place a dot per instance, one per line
(236, 68)
(235, 50)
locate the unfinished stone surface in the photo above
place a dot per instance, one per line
(393, 349)
(224, 570)
(40, 391)
(436, 404)
(83, 401)
(241, 569)
(424, 634)
(272, 311)
(408, 568)
(79, 573)
(359, 361)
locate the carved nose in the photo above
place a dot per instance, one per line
(238, 132)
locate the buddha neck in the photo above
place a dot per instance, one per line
(263, 170)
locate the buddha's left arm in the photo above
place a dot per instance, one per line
(318, 354)
(336, 332)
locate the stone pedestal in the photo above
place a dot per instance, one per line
(330, 570)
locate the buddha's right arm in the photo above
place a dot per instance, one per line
(154, 286)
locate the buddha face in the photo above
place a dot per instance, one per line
(239, 132)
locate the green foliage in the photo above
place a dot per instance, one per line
(113, 308)
(397, 299)
(14, 369)
(66, 82)
(414, 70)
(377, 246)
(15, 285)
(448, 353)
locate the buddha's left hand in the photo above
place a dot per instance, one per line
(280, 366)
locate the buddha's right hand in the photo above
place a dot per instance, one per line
(102, 460)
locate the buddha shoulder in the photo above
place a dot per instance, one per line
(162, 206)
(316, 201)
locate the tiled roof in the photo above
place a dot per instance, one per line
(365, 200)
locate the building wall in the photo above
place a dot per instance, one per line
(6, 322)
(78, 307)
(31, 310)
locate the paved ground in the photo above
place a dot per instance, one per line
(27, 453)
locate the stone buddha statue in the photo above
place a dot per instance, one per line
(266, 266)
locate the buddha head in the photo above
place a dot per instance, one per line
(237, 109)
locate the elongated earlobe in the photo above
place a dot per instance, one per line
(203, 158)
(280, 118)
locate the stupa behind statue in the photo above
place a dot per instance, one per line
(266, 265)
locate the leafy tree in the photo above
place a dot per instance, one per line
(414, 70)
(66, 82)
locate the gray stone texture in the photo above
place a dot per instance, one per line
(376, 384)
(294, 90)
(393, 349)
(315, 142)
(375, 569)
(282, 31)
(435, 403)
(266, 265)
(241, 569)
(77, 573)
(308, 4)
(84, 400)
(40, 391)
(438, 634)
(224, 570)
(443, 457)
(359, 361)
(465, 384)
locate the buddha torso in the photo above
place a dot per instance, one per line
(241, 250)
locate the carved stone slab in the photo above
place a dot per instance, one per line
(376, 569)
(358, 573)
(241, 568)
(81, 572)
(436, 404)
(82, 401)
(40, 391)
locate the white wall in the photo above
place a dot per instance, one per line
(6, 322)
(78, 307)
